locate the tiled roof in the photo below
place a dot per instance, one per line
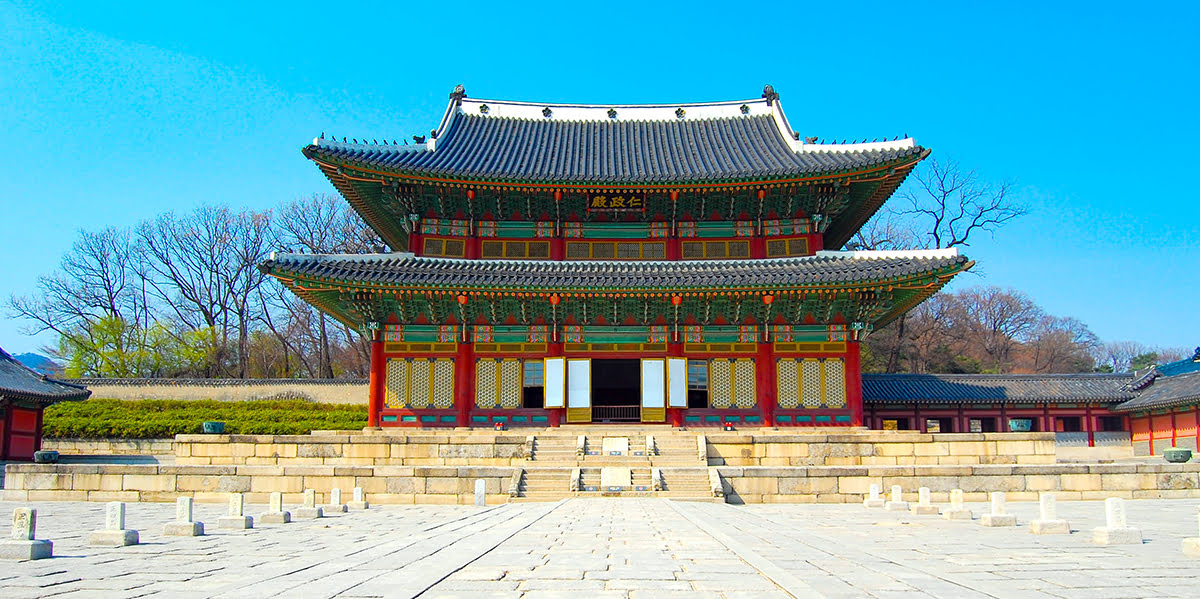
(405, 269)
(999, 388)
(1166, 392)
(513, 141)
(19, 382)
(1186, 365)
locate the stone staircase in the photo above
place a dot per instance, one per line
(558, 456)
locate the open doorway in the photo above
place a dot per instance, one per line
(616, 391)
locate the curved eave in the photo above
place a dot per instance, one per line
(375, 173)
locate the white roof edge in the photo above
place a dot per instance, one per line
(625, 112)
(880, 254)
(895, 144)
(340, 145)
(342, 257)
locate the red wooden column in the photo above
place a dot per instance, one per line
(854, 399)
(378, 375)
(1090, 424)
(764, 373)
(675, 415)
(464, 387)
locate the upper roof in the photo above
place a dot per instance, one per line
(998, 388)
(20, 383)
(571, 275)
(1190, 364)
(616, 144)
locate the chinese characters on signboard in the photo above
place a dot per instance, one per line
(615, 202)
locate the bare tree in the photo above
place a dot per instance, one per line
(942, 206)
(1061, 345)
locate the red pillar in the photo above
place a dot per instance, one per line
(464, 368)
(375, 387)
(1090, 425)
(675, 415)
(414, 244)
(764, 370)
(854, 399)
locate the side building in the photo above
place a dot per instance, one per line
(562, 264)
(24, 394)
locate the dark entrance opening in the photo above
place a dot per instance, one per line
(616, 391)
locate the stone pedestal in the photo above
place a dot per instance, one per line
(335, 502)
(275, 513)
(873, 500)
(360, 500)
(183, 529)
(26, 549)
(1116, 530)
(999, 515)
(308, 513)
(896, 503)
(183, 526)
(235, 522)
(924, 507)
(112, 538)
(1049, 523)
(22, 545)
(114, 533)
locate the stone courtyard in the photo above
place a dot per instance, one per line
(628, 547)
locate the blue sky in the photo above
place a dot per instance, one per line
(114, 112)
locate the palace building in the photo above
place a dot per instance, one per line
(675, 263)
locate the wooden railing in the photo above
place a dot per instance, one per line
(617, 413)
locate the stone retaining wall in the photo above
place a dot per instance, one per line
(110, 446)
(126, 482)
(1021, 482)
(352, 450)
(879, 448)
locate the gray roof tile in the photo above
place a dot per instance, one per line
(1003, 388)
(19, 382)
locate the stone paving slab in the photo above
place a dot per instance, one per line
(630, 548)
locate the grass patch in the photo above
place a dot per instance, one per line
(160, 419)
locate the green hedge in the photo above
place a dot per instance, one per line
(160, 419)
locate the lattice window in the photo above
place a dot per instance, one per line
(418, 392)
(810, 384)
(744, 385)
(443, 383)
(485, 383)
(395, 393)
(515, 249)
(788, 383)
(835, 384)
(720, 378)
(578, 250)
(419, 383)
(510, 384)
(449, 248)
(787, 247)
(696, 250)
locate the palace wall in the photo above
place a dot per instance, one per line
(335, 391)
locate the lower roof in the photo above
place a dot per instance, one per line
(998, 388)
(1166, 392)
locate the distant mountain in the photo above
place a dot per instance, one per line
(39, 363)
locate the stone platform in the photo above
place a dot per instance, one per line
(763, 466)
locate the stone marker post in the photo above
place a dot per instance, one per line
(237, 518)
(1049, 523)
(897, 503)
(22, 544)
(924, 507)
(1117, 531)
(335, 501)
(309, 509)
(183, 526)
(480, 492)
(114, 533)
(1191, 546)
(957, 510)
(999, 515)
(873, 499)
(275, 513)
(360, 500)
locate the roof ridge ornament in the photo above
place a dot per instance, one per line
(458, 94)
(769, 94)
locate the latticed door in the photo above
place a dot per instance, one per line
(654, 390)
(579, 390)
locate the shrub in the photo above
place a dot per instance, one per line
(156, 419)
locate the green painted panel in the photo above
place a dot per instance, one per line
(615, 230)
